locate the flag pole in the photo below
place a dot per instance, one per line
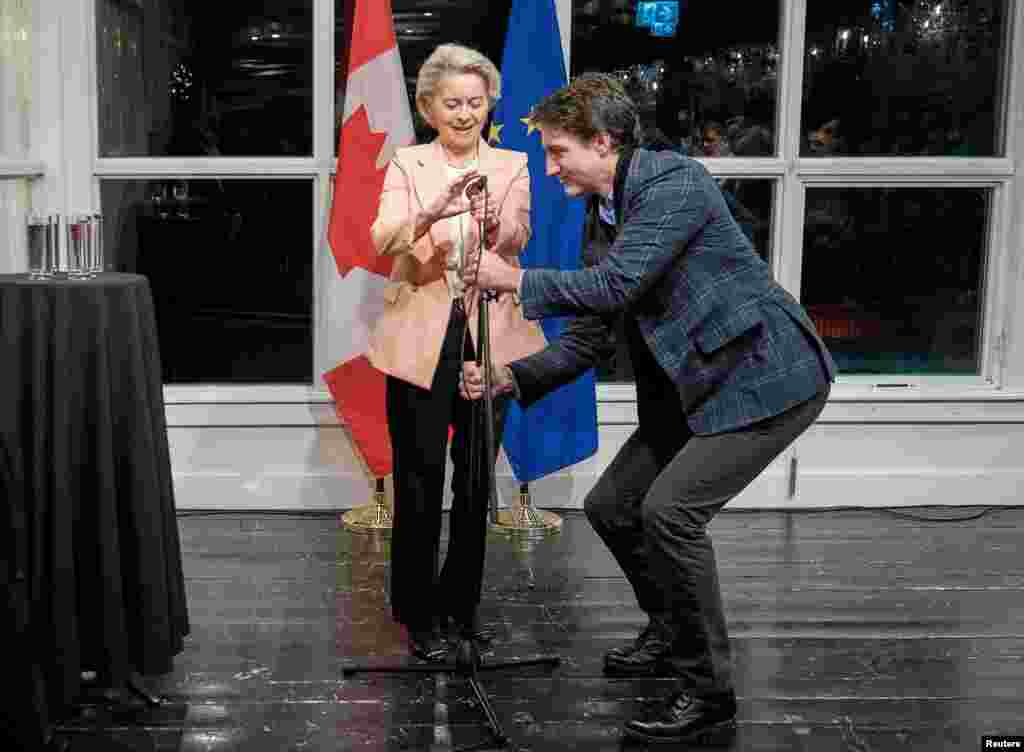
(525, 519)
(370, 518)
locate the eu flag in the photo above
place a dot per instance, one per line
(560, 429)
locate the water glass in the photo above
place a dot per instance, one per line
(70, 245)
(40, 260)
(77, 229)
(96, 261)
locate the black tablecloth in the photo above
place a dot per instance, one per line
(82, 417)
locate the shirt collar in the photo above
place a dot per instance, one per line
(606, 208)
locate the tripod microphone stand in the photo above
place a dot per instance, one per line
(468, 664)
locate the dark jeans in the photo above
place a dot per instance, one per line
(418, 420)
(651, 509)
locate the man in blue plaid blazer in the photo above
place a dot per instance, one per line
(729, 372)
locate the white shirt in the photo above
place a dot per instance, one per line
(458, 230)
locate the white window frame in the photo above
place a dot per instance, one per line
(217, 403)
(853, 398)
(11, 169)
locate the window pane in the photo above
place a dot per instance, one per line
(904, 77)
(421, 26)
(230, 265)
(701, 73)
(17, 37)
(751, 203)
(195, 78)
(893, 277)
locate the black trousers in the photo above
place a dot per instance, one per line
(651, 507)
(418, 420)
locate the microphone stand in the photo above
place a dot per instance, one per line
(468, 664)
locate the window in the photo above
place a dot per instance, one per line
(194, 78)
(898, 78)
(890, 256)
(233, 299)
(704, 73)
(229, 256)
(893, 277)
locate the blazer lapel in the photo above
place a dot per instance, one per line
(430, 179)
(619, 184)
(489, 163)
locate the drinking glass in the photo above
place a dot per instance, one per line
(77, 228)
(40, 261)
(96, 261)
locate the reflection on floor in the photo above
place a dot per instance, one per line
(852, 630)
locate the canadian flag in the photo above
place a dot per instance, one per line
(376, 120)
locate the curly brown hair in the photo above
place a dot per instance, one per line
(591, 103)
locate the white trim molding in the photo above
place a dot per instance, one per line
(936, 171)
(21, 168)
(221, 167)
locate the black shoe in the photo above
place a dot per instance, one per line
(644, 657)
(426, 645)
(683, 718)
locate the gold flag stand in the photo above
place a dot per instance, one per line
(370, 518)
(526, 520)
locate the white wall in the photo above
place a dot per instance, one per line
(860, 453)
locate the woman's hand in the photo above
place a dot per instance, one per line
(449, 203)
(483, 209)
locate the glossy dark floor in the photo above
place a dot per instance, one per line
(852, 630)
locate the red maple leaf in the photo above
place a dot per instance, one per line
(357, 188)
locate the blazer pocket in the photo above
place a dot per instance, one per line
(713, 333)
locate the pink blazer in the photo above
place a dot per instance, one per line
(406, 342)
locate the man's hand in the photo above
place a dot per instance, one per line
(488, 271)
(471, 381)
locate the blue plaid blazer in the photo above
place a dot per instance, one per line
(738, 346)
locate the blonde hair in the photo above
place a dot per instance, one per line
(453, 60)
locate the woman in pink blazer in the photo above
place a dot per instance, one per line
(428, 329)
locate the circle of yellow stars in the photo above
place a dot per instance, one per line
(494, 135)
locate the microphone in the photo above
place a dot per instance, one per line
(476, 186)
